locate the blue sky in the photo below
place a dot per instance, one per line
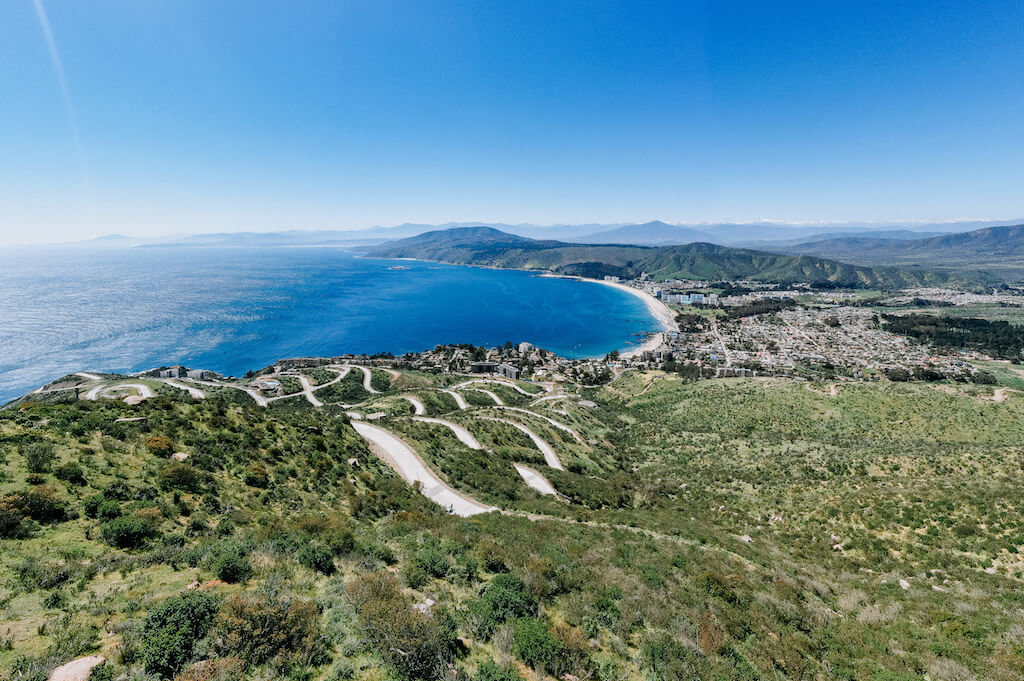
(196, 116)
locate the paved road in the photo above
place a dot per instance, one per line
(406, 463)
(251, 392)
(368, 379)
(464, 435)
(418, 408)
(91, 377)
(194, 392)
(509, 384)
(556, 424)
(459, 399)
(535, 480)
(144, 391)
(307, 390)
(547, 450)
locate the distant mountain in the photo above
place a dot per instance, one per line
(648, 234)
(993, 248)
(491, 247)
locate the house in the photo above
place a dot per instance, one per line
(483, 367)
(268, 385)
(173, 372)
(200, 374)
(508, 371)
(525, 348)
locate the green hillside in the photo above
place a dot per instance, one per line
(489, 247)
(728, 529)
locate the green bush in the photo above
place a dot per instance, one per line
(535, 645)
(128, 532)
(505, 598)
(39, 457)
(230, 563)
(71, 473)
(181, 476)
(317, 557)
(108, 510)
(13, 525)
(91, 505)
(489, 671)
(173, 628)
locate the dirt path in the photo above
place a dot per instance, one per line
(418, 408)
(497, 400)
(535, 480)
(408, 464)
(557, 424)
(251, 392)
(145, 392)
(833, 390)
(547, 450)
(460, 401)
(998, 395)
(307, 390)
(460, 432)
(368, 379)
(194, 392)
(86, 375)
(508, 384)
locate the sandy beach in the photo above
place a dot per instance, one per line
(660, 310)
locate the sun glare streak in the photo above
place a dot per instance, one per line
(58, 67)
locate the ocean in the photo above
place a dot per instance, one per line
(231, 310)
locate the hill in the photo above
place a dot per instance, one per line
(996, 248)
(490, 247)
(726, 529)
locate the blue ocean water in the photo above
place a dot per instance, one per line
(230, 310)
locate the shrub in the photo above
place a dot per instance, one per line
(230, 563)
(13, 525)
(91, 505)
(39, 456)
(128, 532)
(505, 598)
(317, 557)
(39, 503)
(431, 560)
(71, 473)
(172, 629)
(222, 669)
(256, 475)
(535, 645)
(160, 446)
(257, 627)
(415, 645)
(489, 671)
(181, 476)
(108, 510)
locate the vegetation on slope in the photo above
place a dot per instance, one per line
(728, 529)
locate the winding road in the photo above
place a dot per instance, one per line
(547, 450)
(418, 408)
(460, 401)
(145, 392)
(535, 480)
(497, 400)
(408, 464)
(194, 392)
(460, 432)
(553, 422)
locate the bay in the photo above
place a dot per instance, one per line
(231, 310)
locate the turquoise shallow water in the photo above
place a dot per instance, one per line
(231, 310)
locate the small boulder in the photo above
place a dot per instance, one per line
(179, 456)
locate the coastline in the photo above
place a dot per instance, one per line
(659, 310)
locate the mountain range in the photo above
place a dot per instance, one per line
(490, 247)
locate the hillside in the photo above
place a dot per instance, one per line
(997, 248)
(727, 529)
(491, 247)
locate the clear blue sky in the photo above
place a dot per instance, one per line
(206, 116)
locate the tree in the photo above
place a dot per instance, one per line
(172, 629)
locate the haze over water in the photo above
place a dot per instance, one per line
(231, 310)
